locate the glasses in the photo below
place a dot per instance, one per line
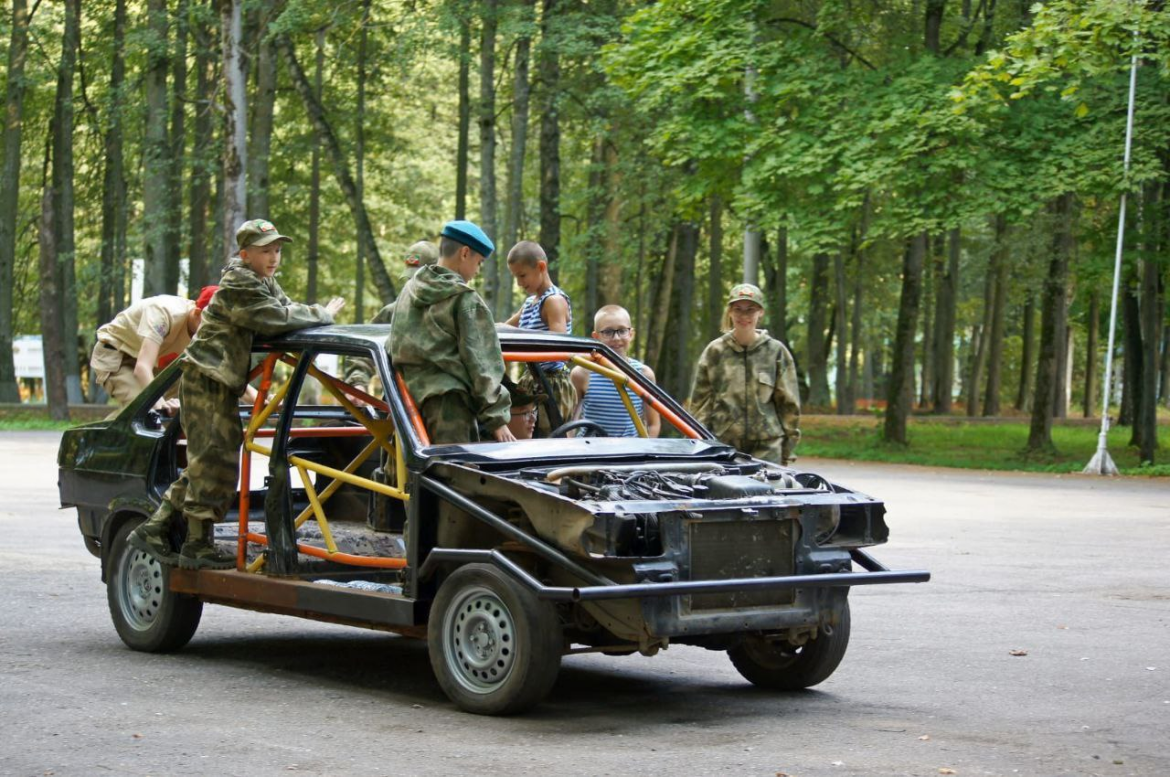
(610, 334)
(529, 413)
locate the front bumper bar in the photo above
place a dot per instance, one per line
(878, 575)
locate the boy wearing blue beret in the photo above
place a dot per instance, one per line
(443, 342)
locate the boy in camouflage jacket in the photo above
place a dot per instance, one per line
(443, 342)
(215, 372)
(745, 388)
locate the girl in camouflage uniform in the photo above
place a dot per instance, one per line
(745, 388)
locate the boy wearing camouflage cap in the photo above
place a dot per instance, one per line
(745, 387)
(215, 372)
(443, 342)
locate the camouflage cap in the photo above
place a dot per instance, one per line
(746, 291)
(258, 232)
(520, 397)
(421, 253)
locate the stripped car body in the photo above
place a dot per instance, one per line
(612, 544)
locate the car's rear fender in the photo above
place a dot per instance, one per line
(121, 510)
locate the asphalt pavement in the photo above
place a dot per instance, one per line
(1040, 647)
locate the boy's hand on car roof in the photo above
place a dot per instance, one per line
(504, 434)
(335, 305)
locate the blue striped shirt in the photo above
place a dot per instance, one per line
(603, 404)
(530, 319)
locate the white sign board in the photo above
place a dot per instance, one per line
(28, 356)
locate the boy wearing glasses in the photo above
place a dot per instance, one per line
(597, 396)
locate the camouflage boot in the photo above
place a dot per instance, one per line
(199, 551)
(152, 537)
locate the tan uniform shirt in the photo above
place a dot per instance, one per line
(161, 319)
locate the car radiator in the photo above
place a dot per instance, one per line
(723, 550)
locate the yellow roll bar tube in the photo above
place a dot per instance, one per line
(620, 383)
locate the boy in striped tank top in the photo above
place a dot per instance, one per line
(547, 309)
(598, 398)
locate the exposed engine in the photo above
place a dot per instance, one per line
(653, 483)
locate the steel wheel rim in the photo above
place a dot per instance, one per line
(140, 589)
(479, 640)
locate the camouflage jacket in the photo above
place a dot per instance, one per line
(444, 339)
(245, 305)
(358, 370)
(746, 395)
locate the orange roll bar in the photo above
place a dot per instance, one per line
(412, 410)
(551, 356)
(646, 396)
(379, 562)
(246, 463)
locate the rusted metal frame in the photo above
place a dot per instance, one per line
(378, 562)
(460, 556)
(511, 532)
(621, 382)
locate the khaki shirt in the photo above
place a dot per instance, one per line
(161, 319)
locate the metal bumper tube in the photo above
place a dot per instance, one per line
(640, 590)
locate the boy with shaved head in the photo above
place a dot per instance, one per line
(598, 398)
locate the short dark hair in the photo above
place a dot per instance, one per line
(528, 252)
(448, 247)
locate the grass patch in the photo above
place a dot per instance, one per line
(34, 424)
(975, 446)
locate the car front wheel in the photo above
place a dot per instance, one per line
(781, 666)
(147, 615)
(495, 648)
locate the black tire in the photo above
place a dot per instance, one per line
(495, 648)
(146, 614)
(779, 666)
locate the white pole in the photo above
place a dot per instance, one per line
(1102, 462)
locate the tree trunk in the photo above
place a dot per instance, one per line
(934, 20)
(818, 378)
(156, 190)
(999, 274)
(464, 119)
(610, 270)
(52, 338)
(1027, 376)
(844, 401)
(595, 218)
(173, 234)
(263, 112)
(900, 392)
(1164, 395)
(946, 303)
(521, 90)
(550, 140)
(715, 273)
(1051, 332)
(926, 395)
(855, 333)
(980, 360)
(1063, 361)
(340, 170)
(360, 158)
(1146, 419)
(487, 152)
(1132, 360)
(199, 269)
(313, 252)
(683, 305)
(64, 245)
(1093, 327)
(780, 320)
(660, 318)
(10, 192)
(235, 108)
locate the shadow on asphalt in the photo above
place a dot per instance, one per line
(398, 670)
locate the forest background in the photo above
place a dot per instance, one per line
(927, 190)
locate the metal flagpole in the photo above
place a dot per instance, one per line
(1102, 462)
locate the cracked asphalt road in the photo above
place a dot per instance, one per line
(1070, 570)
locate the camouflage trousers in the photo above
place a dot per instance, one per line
(564, 395)
(772, 450)
(210, 415)
(449, 419)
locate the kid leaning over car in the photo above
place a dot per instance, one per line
(215, 371)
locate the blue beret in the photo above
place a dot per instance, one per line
(470, 235)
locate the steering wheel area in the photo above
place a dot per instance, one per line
(594, 429)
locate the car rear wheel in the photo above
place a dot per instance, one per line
(147, 615)
(781, 666)
(495, 648)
